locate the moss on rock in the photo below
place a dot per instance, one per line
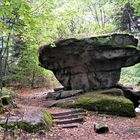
(104, 101)
(26, 126)
(29, 127)
(48, 120)
(107, 104)
(8, 91)
(112, 91)
(115, 40)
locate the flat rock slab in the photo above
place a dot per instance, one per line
(67, 112)
(63, 94)
(90, 63)
(68, 126)
(69, 121)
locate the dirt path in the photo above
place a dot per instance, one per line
(32, 104)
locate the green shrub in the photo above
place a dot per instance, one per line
(8, 91)
(131, 75)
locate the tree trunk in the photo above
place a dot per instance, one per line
(1, 75)
(33, 79)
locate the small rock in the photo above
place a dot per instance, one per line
(100, 128)
(137, 109)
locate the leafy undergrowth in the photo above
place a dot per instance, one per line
(103, 103)
(8, 91)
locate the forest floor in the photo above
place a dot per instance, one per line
(31, 103)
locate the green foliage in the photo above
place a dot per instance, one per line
(48, 120)
(8, 91)
(136, 5)
(26, 25)
(131, 75)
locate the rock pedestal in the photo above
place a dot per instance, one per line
(90, 63)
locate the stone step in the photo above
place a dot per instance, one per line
(70, 116)
(68, 125)
(69, 121)
(67, 112)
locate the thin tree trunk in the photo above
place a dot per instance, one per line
(1, 67)
(102, 22)
(33, 79)
(97, 17)
(6, 59)
(1, 78)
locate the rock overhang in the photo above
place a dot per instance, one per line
(89, 64)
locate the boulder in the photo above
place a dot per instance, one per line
(15, 121)
(101, 102)
(90, 63)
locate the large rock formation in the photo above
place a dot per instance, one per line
(90, 63)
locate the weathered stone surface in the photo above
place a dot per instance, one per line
(15, 121)
(132, 95)
(63, 94)
(90, 63)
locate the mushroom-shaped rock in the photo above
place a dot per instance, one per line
(90, 63)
